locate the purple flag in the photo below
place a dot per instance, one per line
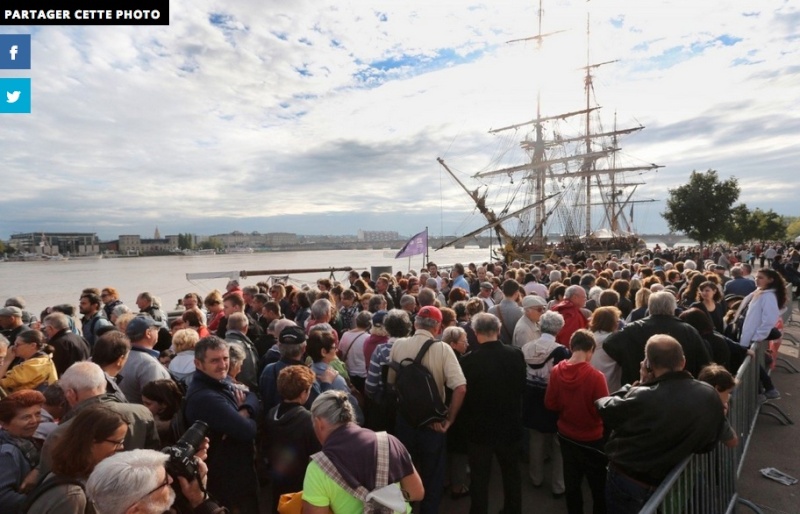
(418, 244)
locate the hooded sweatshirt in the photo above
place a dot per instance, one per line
(573, 320)
(572, 390)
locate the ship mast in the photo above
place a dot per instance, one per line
(503, 237)
(587, 87)
(538, 153)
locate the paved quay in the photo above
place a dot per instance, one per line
(772, 445)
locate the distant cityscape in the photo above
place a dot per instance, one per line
(87, 244)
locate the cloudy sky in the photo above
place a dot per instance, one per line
(316, 117)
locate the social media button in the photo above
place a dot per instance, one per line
(15, 96)
(15, 51)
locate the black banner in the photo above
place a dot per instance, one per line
(84, 12)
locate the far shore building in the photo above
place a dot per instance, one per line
(255, 240)
(54, 243)
(135, 245)
(378, 235)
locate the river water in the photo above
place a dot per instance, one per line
(42, 284)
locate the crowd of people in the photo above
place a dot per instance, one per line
(612, 369)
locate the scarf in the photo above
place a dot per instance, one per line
(353, 450)
(25, 446)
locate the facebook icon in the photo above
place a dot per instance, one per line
(15, 51)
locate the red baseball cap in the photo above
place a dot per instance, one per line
(430, 312)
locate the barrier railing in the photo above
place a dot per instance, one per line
(706, 483)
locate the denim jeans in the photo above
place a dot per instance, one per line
(623, 495)
(428, 451)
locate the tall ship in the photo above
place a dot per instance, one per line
(568, 187)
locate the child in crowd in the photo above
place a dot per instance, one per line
(724, 383)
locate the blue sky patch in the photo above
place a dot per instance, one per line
(219, 19)
(377, 72)
(727, 40)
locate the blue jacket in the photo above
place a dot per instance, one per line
(14, 467)
(231, 474)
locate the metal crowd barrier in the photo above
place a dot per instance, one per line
(706, 483)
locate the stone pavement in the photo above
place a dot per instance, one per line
(773, 444)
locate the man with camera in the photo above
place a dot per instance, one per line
(231, 417)
(137, 482)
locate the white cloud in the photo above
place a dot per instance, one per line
(253, 110)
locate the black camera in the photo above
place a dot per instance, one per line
(181, 455)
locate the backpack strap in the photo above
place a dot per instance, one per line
(350, 347)
(548, 359)
(382, 474)
(423, 351)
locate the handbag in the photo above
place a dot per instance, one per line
(291, 503)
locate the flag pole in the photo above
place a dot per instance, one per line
(425, 259)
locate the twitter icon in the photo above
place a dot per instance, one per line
(18, 95)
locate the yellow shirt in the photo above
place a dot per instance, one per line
(30, 374)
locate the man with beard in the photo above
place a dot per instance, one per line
(93, 319)
(11, 323)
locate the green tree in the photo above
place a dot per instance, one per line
(702, 208)
(185, 241)
(742, 225)
(769, 225)
(211, 244)
(793, 230)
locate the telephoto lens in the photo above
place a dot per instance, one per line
(181, 454)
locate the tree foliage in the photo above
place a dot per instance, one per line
(702, 208)
(746, 225)
(212, 244)
(770, 226)
(185, 241)
(793, 230)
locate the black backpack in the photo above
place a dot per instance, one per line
(45, 486)
(418, 399)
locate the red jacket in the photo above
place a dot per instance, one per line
(573, 320)
(571, 392)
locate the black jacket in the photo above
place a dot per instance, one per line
(68, 348)
(627, 346)
(492, 411)
(655, 426)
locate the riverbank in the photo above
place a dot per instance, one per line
(43, 284)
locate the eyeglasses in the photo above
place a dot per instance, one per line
(165, 483)
(118, 444)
